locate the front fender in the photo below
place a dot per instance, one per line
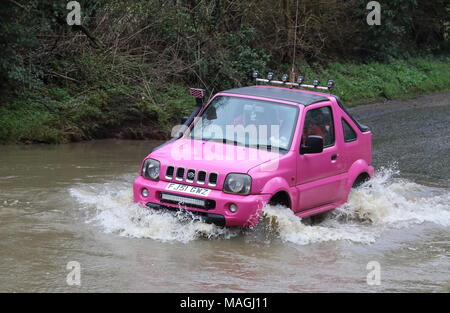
(357, 168)
(277, 184)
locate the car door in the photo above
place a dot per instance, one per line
(320, 176)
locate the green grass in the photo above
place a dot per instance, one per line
(112, 107)
(55, 116)
(365, 83)
(27, 125)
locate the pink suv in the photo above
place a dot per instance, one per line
(251, 146)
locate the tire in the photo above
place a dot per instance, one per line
(361, 179)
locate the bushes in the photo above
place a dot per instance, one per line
(234, 60)
(130, 111)
(125, 70)
(209, 43)
(21, 122)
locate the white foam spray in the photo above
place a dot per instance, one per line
(111, 207)
(383, 203)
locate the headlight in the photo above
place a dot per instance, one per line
(238, 183)
(151, 169)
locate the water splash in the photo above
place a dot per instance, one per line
(383, 203)
(288, 227)
(396, 203)
(110, 206)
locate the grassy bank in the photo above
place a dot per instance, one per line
(359, 84)
(105, 105)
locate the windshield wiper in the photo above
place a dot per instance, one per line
(270, 147)
(224, 140)
(238, 143)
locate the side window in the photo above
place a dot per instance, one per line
(349, 133)
(319, 122)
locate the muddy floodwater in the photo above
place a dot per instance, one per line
(74, 203)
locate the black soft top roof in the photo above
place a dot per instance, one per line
(279, 94)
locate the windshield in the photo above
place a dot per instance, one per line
(248, 122)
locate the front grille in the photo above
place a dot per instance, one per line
(191, 175)
(201, 177)
(169, 172)
(206, 204)
(180, 173)
(212, 179)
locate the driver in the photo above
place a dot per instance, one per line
(311, 128)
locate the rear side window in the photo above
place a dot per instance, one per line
(349, 133)
(319, 122)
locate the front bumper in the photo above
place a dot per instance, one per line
(211, 218)
(249, 207)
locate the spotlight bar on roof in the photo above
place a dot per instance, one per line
(284, 81)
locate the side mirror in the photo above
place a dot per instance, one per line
(314, 144)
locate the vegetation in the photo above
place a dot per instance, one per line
(124, 71)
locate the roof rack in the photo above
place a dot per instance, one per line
(284, 81)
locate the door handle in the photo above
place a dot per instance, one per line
(334, 156)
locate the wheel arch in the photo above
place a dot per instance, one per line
(360, 179)
(280, 192)
(359, 170)
(281, 197)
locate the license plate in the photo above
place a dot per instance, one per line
(192, 190)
